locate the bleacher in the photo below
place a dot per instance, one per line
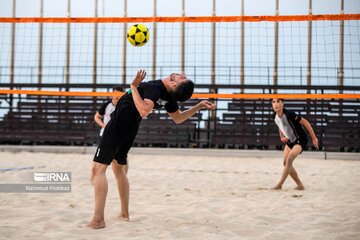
(241, 124)
(70, 121)
(52, 120)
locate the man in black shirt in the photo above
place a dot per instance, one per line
(121, 131)
(102, 117)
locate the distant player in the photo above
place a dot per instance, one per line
(102, 117)
(293, 135)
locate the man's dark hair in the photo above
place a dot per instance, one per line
(184, 91)
(118, 88)
(281, 99)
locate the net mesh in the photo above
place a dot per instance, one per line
(106, 58)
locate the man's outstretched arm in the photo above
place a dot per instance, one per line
(181, 116)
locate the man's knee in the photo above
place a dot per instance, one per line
(291, 157)
(98, 168)
(118, 169)
(287, 162)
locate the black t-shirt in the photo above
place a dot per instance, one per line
(125, 120)
(156, 92)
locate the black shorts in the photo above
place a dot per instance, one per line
(119, 133)
(103, 153)
(301, 142)
(109, 149)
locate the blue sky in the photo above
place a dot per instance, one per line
(259, 40)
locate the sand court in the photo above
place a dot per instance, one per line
(186, 196)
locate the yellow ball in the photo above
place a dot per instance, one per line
(138, 35)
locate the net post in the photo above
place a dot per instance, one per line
(154, 45)
(341, 59)
(213, 74)
(40, 46)
(67, 70)
(183, 38)
(95, 47)
(124, 45)
(341, 51)
(242, 58)
(308, 72)
(12, 63)
(276, 48)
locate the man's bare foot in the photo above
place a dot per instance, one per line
(124, 217)
(96, 224)
(276, 188)
(300, 187)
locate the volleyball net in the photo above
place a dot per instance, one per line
(305, 52)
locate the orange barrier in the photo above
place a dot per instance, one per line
(196, 95)
(325, 17)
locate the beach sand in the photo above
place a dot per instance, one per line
(186, 197)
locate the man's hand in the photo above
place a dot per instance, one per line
(315, 142)
(140, 75)
(207, 105)
(284, 139)
(180, 116)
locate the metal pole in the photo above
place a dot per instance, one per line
(183, 38)
(341, 51)
(308, 73)
(341, 59)
(242, 61)
(40, 45)
(12, 61)
(153, 75)
(124, 45)
(213, 45)
(212, 120)
(95, 47)
(276, 48)
(101, 34)
(67, 67)
(67, 71)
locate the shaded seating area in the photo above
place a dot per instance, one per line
(342, 132)
(159, 130)
(247, 124)
(52, 120)
(241, 124)
(70, 121)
